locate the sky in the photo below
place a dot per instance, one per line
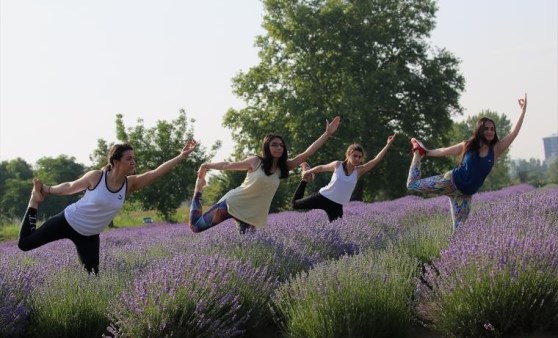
(68, 67)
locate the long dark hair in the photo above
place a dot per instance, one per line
(477, 139)
(267, 159)
(115, 153)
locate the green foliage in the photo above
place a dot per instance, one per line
(99, 155)
(552, 173)
(496, 305)
(367, 61)
(9, 232)
(366, 295)
(154, 146)
(499, 176)
(425, 234)
(15, 188)
(71, 304)
(532, 172)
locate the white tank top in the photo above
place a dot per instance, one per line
(341, 186)
(94, 211)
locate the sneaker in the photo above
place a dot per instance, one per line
(418, 146)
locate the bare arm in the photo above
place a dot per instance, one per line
(136, 182)
(505, 143)
(330, 167)
(331, 127)
(89, 180)
(248, 164)
(363, 169)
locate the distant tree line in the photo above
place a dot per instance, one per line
(153, 146)
(368, 61)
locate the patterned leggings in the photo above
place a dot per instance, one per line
(216, 214)
(440, 185)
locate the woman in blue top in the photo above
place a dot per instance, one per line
(477, 157)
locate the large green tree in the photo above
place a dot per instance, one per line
(152, 147)
(368, 61)
(499, 176)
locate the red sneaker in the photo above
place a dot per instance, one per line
(418, 146)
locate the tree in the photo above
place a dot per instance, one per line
(368, 61)
(53, 171)
(552, 172)
(152, 147)
(532, 172)
(499, 175)
(15, 188)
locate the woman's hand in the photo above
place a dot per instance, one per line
(189, 147)
(331, 127)
(523, 103)
(390, 139)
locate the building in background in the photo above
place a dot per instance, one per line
(550, 148)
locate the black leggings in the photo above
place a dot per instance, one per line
(316, 201)
(58, 228)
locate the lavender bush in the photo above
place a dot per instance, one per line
(366, 295)
(499, 274)
(162, 280)
(192, 296)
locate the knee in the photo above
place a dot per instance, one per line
(23, 246)
(194, 228)
(409, 185)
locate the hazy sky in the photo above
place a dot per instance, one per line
(68, 67)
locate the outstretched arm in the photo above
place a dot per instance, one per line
(363, 169)
(136, 182)
(504, 143)
(330, 167)
(88, 180)
(248, 164)
(331, 127)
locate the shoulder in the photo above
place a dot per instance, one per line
(254, 161)
(92, 177)
(94, 174)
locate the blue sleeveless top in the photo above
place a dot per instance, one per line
(470, 175)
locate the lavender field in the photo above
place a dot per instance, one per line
(387, 269)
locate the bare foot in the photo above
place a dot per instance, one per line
(305, 177)
(36, 195)
(200, 182)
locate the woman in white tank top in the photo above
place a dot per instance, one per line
(105, 193)
(337, 193)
